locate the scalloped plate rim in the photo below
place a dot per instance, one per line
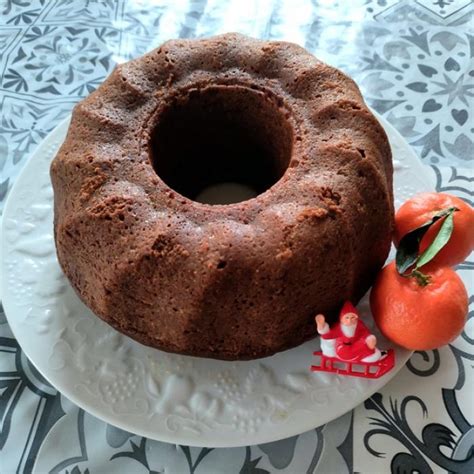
(241, 439)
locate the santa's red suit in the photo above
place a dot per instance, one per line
(348, 343)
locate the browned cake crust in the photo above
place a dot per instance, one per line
(235, 281)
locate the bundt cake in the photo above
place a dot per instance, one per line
(236, 281)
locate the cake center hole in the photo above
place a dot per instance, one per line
(222, 144)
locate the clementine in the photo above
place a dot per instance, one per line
(419, 317)
(420, 209)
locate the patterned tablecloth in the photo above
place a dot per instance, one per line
(414, 63)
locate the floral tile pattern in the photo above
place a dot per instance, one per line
(414, 77)
(414, 62)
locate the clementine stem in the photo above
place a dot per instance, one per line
(421, 278)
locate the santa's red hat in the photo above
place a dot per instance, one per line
(348, 307)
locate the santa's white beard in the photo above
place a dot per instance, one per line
(348, 331)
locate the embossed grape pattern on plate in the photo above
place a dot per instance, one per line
(168, 397)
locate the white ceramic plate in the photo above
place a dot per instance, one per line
(173, 398)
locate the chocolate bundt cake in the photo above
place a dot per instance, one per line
(236, 281)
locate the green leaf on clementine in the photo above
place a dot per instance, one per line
(439, 242)
(408, 252)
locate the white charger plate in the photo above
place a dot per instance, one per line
(167, 397)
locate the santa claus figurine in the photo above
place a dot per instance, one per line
(350, 340)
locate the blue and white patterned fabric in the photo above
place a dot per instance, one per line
(414, 63)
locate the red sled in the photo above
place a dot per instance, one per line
(367, 370)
